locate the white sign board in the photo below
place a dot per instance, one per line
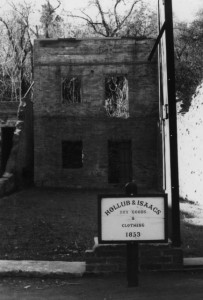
(133, 218)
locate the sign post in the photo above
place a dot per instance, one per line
(133, 247)
(132, 264)
(131, 219)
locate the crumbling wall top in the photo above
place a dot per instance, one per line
(91, 51)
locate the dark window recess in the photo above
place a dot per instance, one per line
(71, 90)
(116, 96)
(6, 146)
(120, 161)
(72, 154)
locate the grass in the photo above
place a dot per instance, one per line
(50, 224)
(47, 224)
(191, 216)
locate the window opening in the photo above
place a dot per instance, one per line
(116, 96)
(72, 154)
(71, 90)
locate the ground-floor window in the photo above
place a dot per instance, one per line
(72, 154)
(120, 161)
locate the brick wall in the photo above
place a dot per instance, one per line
(54, 121)
(105, 259)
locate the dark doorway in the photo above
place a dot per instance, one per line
(72, 154)
(6, 145)
(120, 161)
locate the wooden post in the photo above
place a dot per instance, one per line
(172, 125)
(132, 264)
(132, 247)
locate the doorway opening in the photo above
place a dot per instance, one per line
(120, 161)
(6, 145)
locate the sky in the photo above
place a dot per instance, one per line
(184, 10)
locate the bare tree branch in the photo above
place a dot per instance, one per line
(90, 23)
(111, 21)
(25, 17)
(106, 27)
(51, 8)
(125, 18)
(10, 36)
(17, 51)
(49, 16)
(115, 11)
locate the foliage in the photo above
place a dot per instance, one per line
(14, 56)
(141, 24)
(191, 228)
(190, 127)
(16, 51)
(189, 63)
(50, 20)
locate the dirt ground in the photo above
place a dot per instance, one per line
(48, 224)
(51, 224)
(153, 286)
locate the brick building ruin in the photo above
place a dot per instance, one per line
(103, 115)
(96, 112)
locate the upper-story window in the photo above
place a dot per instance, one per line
(71, 89)
(116, 96)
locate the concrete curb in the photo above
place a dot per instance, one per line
(193, 263)
(63, 269)
(33, 268)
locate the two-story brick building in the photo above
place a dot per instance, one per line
(96, 110)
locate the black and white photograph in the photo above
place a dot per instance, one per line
(101, 149)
